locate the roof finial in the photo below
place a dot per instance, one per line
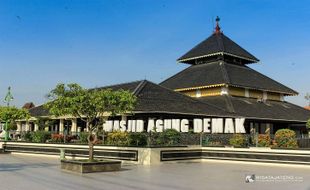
(217, 27)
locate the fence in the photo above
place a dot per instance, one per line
(157, 139)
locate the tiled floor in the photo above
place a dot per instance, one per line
(19, 172)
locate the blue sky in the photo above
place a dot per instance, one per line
(98, 42)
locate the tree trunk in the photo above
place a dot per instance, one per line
(91, 151)
(92, 140)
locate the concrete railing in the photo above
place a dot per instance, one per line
(151, 156)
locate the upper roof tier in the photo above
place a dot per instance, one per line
(217, 47)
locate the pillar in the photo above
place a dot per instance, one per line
(74, 126)
(271, 128)
(61, 126)
(257, 128)
(27, 126)
(46, 126)
(36, 127)
(252, 128)
(252, 133)
(267, 129)
(19, 127)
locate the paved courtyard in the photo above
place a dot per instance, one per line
(19, 172)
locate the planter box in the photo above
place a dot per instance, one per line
(83, 166)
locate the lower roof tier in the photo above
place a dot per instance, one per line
(153, 98)
(251, 108)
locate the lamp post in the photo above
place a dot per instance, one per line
(8, 98)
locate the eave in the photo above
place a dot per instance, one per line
(217, 53)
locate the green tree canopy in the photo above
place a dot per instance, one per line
(11, 114)
(308, 124)
(92, 106)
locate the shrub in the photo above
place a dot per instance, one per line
(169, 137)
(59, 138)
(263, 140)
(237, 140)
(27, 136)
(83, 137)
(137, 139)
(216, 139)
(214, 143)
(41, 136)
(308, 124)
(118, 138)
(285, 138)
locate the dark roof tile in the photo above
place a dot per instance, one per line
(38, 111)
(154, 98)
(220, 72)
(252, 109)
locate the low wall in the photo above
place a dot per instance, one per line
(101, 152)
(151, 156)
(260, 155)
(240, 154)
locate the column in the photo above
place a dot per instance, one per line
(27, 126)
(252, 133)
(252, 128)
(61, 126)
(74, 126)
(271, 128)
(267, 129)
(46, 128)
(256, 128)
(19, 127)
(36, 126)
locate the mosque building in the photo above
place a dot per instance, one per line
(218, 83)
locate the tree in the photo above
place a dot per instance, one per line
(307, 97)
(10, 114)
(91, 106)
(308, 124)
